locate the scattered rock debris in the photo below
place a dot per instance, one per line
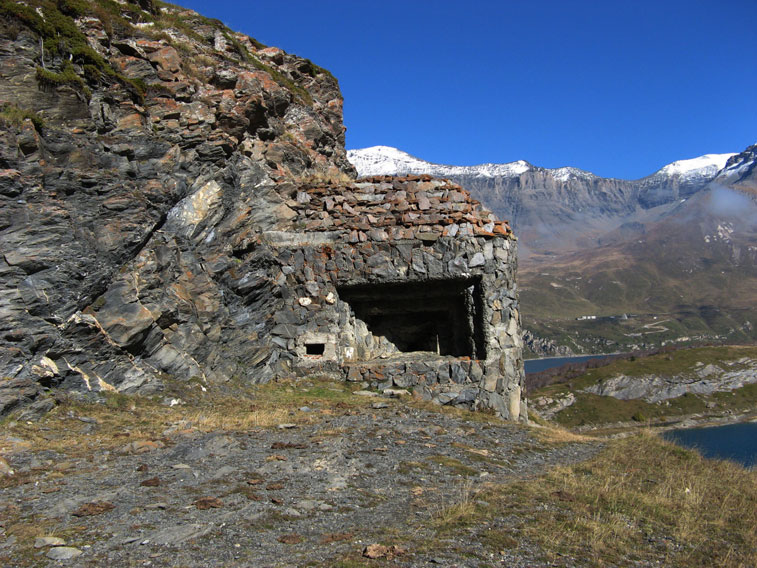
(358, 486)
(92, 509)
(381, 551)
(208, 503)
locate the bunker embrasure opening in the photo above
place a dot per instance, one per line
(315, 349)
(438, 316)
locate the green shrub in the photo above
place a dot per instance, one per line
(74, 8)
(62, 39)
(13, 115)
(67, 76)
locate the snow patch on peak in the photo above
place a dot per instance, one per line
(385, 160)
(492, 170)
(709, 164)
(566, 173)
(387, 152)
(742, 165)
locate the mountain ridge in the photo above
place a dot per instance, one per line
(368, 161)
(563, 209)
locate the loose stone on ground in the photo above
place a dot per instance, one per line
(327, 491)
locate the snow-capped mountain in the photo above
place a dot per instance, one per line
(703, 166)
(680, 179)
(385, 160)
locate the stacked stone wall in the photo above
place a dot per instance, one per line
(350, 249)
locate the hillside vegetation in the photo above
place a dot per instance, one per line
(688, 278)
(685, 365)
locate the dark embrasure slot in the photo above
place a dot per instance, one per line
(315, 348)
(439, 316)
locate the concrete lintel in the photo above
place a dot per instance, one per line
(291, 238)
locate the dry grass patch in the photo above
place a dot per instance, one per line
(27, 529)
(454, 464)
(460, 511)
(554, 435)
(481, 455)
(291, 394)
(230, 415)
(78, 429)
(640, 500)
(268, 405)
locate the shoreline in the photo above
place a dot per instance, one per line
(590, 356)
(682, 422)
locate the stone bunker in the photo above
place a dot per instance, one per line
(401, 283)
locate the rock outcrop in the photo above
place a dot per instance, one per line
(705, 379)
(544, 347)
(137, 155)
(740, 172)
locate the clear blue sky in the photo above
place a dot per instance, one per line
(619, 88)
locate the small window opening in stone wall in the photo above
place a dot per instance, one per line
(438, 316)
(315, 349)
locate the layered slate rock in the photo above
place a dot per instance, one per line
(187, 212)
(124, 141)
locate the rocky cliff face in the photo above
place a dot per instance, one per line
(141, 149)
(705, 380)
(740, 172)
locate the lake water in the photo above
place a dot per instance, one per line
(537, 365)
(736, 442)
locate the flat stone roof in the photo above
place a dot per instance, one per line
(382, 208)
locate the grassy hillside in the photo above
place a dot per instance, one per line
(695, 280)
(577, 501)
